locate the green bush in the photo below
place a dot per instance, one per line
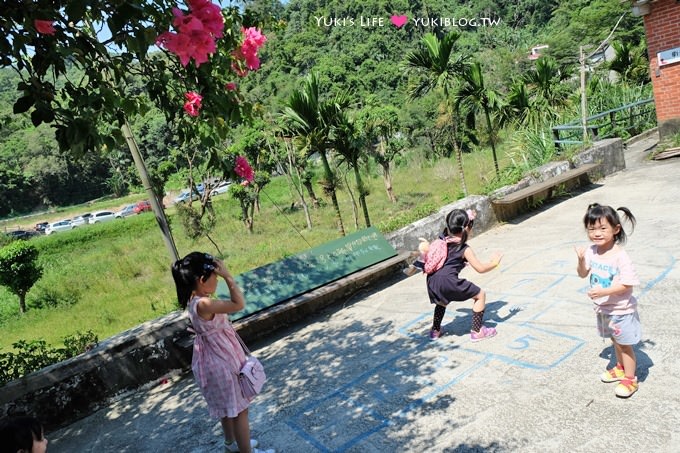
(52, 296)
(34, 355)
(19, 269)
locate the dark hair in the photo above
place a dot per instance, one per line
(597, 212)
(18, 433)
(188, 270)
(457, 222)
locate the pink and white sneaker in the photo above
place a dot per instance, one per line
(484, 333)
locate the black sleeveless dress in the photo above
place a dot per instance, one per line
(445, 285)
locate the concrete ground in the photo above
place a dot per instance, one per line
(364, 377)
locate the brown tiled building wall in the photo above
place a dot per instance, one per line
(662, 26)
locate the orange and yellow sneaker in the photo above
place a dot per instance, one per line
(626, 387)
(613, 375)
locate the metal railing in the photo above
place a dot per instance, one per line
(628, 120)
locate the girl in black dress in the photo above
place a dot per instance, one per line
(444, 285)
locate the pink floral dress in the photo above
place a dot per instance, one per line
(217, 359)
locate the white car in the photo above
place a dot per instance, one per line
(184, 197)
(81, 219)
(61, 225)
(102, 216)
(222, 187)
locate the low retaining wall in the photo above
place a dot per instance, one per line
(150, 352)
(67, 391)
(608, 153)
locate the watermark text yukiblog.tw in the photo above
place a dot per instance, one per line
(400, 20)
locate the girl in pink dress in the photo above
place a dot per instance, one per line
(218, 355)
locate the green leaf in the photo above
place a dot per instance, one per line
(23, 104)
(75, 10)
(42, 115)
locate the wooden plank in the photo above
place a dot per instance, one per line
(547, 184)
(673, 152)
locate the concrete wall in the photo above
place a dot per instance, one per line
(608, 153)
(66, 391)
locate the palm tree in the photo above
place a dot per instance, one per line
(310, 120)
(381, 124)
(440, 68)
(630, 63)
(476, 96)
(349, 143)
(536, 99)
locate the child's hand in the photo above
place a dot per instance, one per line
(597, 293)
(496, 259)
(423, 246)
(221, 269)
(580, 253)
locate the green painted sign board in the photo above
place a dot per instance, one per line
(280, 281)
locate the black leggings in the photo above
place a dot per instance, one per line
(440, 311)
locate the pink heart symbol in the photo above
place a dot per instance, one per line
(398, 21)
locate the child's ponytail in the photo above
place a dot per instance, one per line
(183, 287)
(457, 222)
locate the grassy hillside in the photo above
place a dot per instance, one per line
(110, 277)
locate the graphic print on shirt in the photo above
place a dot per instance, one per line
(602, 275)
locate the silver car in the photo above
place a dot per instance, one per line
(61, 225)
(102, 216)
(222, 187)
(126, 211)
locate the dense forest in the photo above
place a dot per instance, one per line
(354, 51)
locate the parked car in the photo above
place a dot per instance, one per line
(126, 211)
(22, 234)
(222, 187)
(184, 197)
(61, 225)
(81, 219)
(40, 227)
(142, 206)
(102, 216)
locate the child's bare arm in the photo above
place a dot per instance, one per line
(208, 307)
(581, 268)
(480, 266)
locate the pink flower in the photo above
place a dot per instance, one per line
(253, 39)
(243, 169)
(193, 104)
(197, 45)
(230, 86)
(44, 27)
(185, 23)
(196, 32)
(210, 16)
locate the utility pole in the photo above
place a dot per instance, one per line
(156, 205)
(146, 182)
(582, 60)
(584, 107)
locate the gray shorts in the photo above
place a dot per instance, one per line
(624, 329)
